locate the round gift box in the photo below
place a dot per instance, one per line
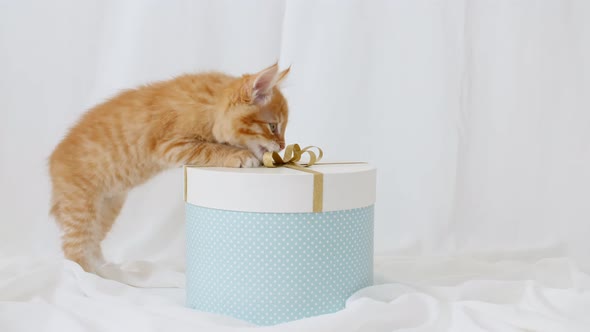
(256, 251)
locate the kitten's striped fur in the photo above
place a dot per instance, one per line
(208, 119)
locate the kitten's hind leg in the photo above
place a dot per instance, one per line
(77, 216)
(140, 273)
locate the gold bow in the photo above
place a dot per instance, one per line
(292, 156)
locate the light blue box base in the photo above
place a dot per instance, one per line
(269, 268)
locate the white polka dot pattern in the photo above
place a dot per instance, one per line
(269, 268)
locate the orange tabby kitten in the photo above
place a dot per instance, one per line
(208, 119)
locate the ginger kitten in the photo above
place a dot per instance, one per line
(208, 119)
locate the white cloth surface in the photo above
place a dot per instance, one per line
(426, 295)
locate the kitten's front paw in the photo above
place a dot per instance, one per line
(241, 158)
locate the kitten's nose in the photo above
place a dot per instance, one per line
(282, 145)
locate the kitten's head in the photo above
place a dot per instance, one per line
(256, 113)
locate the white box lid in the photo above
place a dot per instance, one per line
(281, 190)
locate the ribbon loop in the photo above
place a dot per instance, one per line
(291, 159)
(292, 156)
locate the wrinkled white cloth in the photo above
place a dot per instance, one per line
(426, 294)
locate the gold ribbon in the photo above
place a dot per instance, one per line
(292, 155)
(291, 158)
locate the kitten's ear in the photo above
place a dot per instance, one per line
(283, 75)
(262, 84)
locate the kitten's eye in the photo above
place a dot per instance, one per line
(273, 127)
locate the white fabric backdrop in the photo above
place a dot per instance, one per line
(477, 113)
